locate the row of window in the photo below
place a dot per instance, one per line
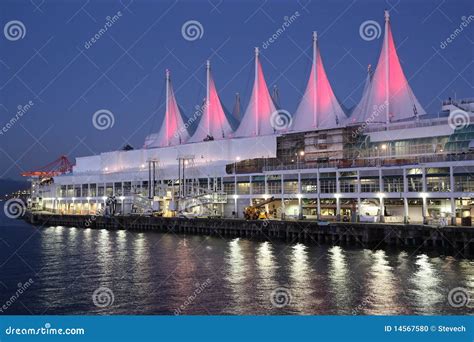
(464, 183)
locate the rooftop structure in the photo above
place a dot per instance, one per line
(257, 119)
(213, 124)
(387, 94)
(398, 164)
(173, 131)
(319, 108)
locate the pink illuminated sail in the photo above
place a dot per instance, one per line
(257, 119)
(173, 131)
(319, 107)
(213, 124)
(389, 97)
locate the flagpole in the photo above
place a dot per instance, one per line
(315, 103)
(167, 107)
(208, 70)
(387, 109)
(256, 91)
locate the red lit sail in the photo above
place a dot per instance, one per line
(319, 107)
(257, 118)
(388, 97)
(173, 130)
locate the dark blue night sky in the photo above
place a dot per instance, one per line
(123, 71)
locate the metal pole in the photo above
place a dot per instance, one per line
(184, 179)
(149, 179)
(315, 104)
(208, 71)
(167, 106)
(154, 177)
(179, 177)
(387, 111)
(256, 91)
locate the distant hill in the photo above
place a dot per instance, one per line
(10, 185)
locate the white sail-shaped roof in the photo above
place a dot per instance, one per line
(257, 119)
(358, 115)
(213, 123)
(389, 97)
(319, 107)
(173, 131)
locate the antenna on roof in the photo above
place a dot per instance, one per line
(208, 69)
(236, 110)
(256, 92)
(167, 73)
(276, 95)
(315, 78)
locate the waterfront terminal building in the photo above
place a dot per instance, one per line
(386, 160)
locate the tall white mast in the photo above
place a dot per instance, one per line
(208, 72)
(256, 91)
(387, 109)
(315, 99)
(167, 106)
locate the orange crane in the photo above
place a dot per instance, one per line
(58, 167)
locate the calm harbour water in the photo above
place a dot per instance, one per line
(152, 273)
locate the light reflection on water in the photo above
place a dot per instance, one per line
(104, 251)
(427, 292)
(184, 276)
(383, 290)
(266, 266)
(151, 273)
(301, 275)
(238, 275)
(339, 280)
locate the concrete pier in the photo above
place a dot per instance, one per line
(458, 241)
